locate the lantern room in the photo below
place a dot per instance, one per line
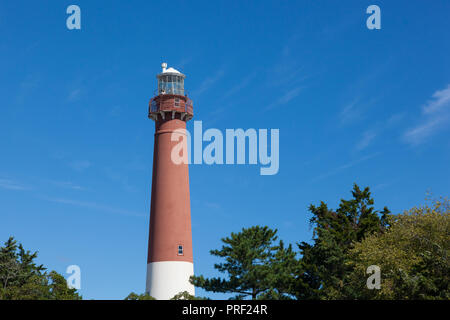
(170, 81)
(171, 102)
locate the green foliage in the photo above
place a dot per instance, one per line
(135, 296)
(413, 255)
(22, 279)
(186, 296)
(322, 268)
(412, 250)
(180, 296)
(256, 266)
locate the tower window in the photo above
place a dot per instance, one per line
(180, 250)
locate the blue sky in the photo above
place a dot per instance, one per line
(351, 104)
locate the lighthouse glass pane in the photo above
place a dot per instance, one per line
(180, 250)
(171, 84)
(154, 107)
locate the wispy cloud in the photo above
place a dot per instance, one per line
(289, 67)
(395, 119)
(240, 85)
(420, 133)
(288, 224)
(355, 111)
(185, 60)
(345, 166)
(378, 129)
(383, 185)
(440, 100)
(285, 98)
(287, 71)
(435, 116)
(357, 107)
(66, 185)
(80, 165)
(287, 74)
(212, 205)
(120, 176)
(115, 111)
(209, 82)
(367, 137)
(12, 185)
(74, 95)
(26, 88)
(95, 206)
(349, 112)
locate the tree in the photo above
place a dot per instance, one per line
(413, 255)
(59, 289)
(135, 296)
(21, 278)
(184, 295)
(256, 266)
(322, 268)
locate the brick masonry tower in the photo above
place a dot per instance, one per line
(170, 261)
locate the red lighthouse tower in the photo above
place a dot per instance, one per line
(170, 261)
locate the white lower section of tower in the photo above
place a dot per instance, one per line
(167, 278)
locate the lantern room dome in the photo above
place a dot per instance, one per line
(171, 70)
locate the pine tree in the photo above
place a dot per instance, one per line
(21, 278)
(256, 266)
(323, 267)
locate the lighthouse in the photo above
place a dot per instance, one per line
(170, 257)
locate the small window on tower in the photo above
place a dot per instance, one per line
(180, 250)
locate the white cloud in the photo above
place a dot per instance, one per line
(240, 85)
(209, 82)
(395, 119)
(74, 95)
(212, 205)
(27, 87)
(427, 128)
(378, 129)
(66, 185)
(11, 185)
(355, 111)
(287, 97)
(80, 165)
(349, 112)
(115, 111)
(291, 94)
(366, 139)
(435, 116)
(345, 166)
(441, 100)
(95, 206)
(120, 176)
